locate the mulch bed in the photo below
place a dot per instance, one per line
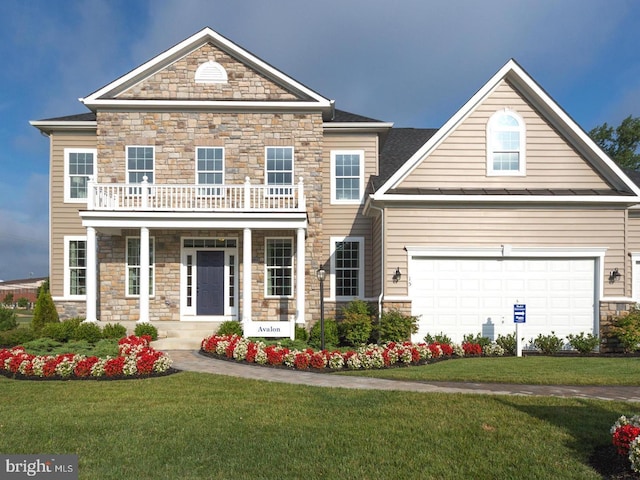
(606, 461)
(33, 378)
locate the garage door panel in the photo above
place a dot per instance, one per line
(457, 296)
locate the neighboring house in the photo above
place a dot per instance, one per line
(24, 288)
(206, 185)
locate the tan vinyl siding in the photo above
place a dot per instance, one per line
(347, 220)
(461, 159)
(633, 244)
(65, 219)
(493, 227)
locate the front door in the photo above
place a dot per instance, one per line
(210, 283)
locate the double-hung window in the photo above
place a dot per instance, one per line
(140, 164)
(133, 266)
(347, 180)
(279, 267)
(279, 170)
(210, 169)
(505, 144)
(79, 165)
(76, 266)
(347, 265)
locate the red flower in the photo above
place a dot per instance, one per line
(623, 436)
(113, 367)
(472, 348)
(252, 351)
(83, 367)
(318, 360)
(301, 362)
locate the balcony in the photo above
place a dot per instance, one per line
(146, 197)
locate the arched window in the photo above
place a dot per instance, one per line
(505, 144)
(211, 72)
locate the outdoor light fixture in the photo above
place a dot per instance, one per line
(397, 276)
(320, 275)
(614, 275)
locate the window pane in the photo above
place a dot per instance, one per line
(77, 267)
(279, 267)
(347, 176)
(279, 164)
(140, 164)
(347, 269)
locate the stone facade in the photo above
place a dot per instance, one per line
(609, 311)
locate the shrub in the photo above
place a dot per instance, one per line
(548, 344)
(42, 346)
(146, 328)
(114, 331)
(301, 334)
(627, 330)
(230, 327)
(45, 311)
(508, 343)
(8, 319)
(23, 302)
(356, 326)
(19, 336)
(331, 338)
(476, 339)
(61, 331)
(583, 343)
(395, 327)
(438, 338)
(8, 299)
(87, 331)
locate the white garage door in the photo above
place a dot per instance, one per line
(469, 296)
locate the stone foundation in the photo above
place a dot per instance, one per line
(608, 313)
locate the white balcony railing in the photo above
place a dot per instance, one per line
(155, 197)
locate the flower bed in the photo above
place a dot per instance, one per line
(391, 354)
(136, 359)
(625, 435)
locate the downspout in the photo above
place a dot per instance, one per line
(382, 256)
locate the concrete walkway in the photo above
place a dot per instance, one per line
(194, 362)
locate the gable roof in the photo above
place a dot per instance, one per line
(552, 112)
(106, 96)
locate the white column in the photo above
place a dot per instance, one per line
(144, 275)
(300, 269)
(92, 282)
(246, 275)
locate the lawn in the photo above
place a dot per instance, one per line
(200, 426)
(535, 370)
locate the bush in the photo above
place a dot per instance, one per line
(114, 331)
(19, 336)
(438, 338)
(8, 319)
(61, 331)
(87, 331)
(45, 311)
(42, 346)
(23, 302)
(8, 299)
(395, 327)
(477, 339)
(627, 330)
(508, 343)
(230, 327)
(583, 344)
(331, 338)
(356, 326)
(301, 334)
(548, 344)
(146, 328)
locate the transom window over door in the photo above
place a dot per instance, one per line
(279, 169)
(210, 169)
(79, 167)
(505, 144)
(347, 182)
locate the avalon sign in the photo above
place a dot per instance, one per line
(268, 329)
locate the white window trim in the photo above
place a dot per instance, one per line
(334, 191)
(126, 159)
(361, 271)
(67, 178)
(635, 276)
(522, 159)
(293, 164)
(292, 268)
(152, 267)
(67, 271)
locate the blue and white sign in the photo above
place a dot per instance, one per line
(519, 313)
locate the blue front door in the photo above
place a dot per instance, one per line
(210, 288)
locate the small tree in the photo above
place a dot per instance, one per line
(8, 299)
(8, 319)
(23, 302)
(45, 311)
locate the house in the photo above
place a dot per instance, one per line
(26, 288)
(206, 185)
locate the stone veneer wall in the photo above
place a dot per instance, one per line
(608, 313)
(71, 309)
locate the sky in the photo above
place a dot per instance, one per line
(410, 62)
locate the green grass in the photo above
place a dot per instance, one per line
(534, 370)
(200, 426)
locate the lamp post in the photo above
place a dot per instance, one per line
(320, 274)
